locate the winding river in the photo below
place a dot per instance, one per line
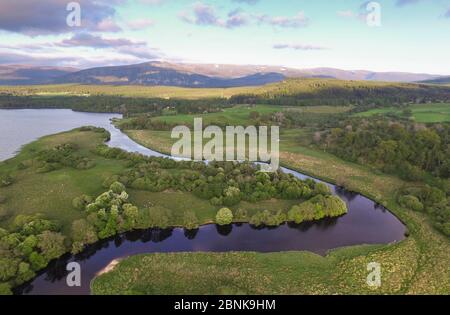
(365, 223)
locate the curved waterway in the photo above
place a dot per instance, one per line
(365, 223)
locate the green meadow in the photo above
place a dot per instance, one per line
(422, 113)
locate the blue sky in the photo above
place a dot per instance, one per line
(413, 36)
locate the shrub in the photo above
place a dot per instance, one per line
(241, 214)
(412, 202)
(224, 216)
(2, 199)
(6, 180)
(190, 220)
(155, 217)
(215, 201)
(81, 202)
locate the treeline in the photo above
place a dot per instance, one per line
(113, 104)
(28, 247)
(310, 92)
(407, 149)
(222, 183)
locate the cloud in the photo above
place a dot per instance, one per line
(42, 17)
(140, 24)
(401, 3)
(251, 2)
(297, 21)
(447, 14)
(346, 13)
(298, 47)
(138, 49)
(206, 15)
(237, 18)
(96, 41)
(153, 2)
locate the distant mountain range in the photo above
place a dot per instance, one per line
(441, 80)
(190, 75)
(25, 75)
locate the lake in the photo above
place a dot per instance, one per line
(365, 223)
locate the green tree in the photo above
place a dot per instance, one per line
(8, 268)
(117, 187)
(83, 233)
(224, 216)
(190, 220)
(37, 261)
(51, 244)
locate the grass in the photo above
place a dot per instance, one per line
(239, 115)
(343, 271)
(429, 113)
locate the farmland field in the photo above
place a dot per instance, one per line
(427, 113)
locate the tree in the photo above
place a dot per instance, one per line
(8, 268)
(224, 216)
(117, 187)
(295, 215)
(190, 220)
(232, 196)
(37, 261)
(83, 233)
(5, 289)
(28, 245)
(81, 202)
(321, 189)
(130, 215)
(51, 244)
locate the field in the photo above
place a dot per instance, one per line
(429, 113)
(239, 115)
(128, 91)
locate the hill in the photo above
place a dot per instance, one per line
(442, 80)
(157, 73)
(22, 74)
(153, 75)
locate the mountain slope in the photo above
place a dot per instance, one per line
(158, 73)
(442, 80)
(233, 71)
(22, 74)
(149, 74)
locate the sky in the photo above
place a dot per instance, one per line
(411, 36)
